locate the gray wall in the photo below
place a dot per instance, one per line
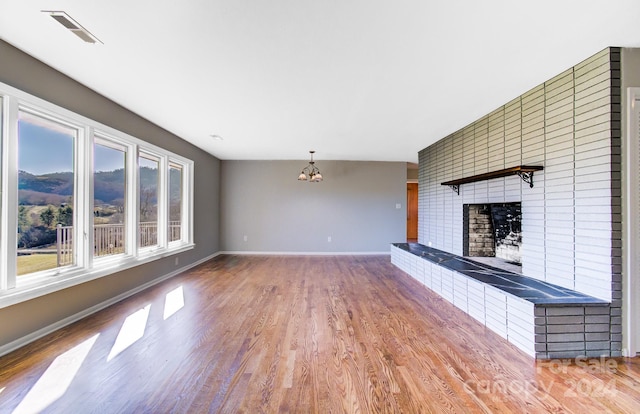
(412, 172)
(32, 76)
(355, 205)
(571, 218)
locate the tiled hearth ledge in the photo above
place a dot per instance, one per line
(544, 320)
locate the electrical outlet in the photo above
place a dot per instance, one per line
(245, 237)
(398, 206)
(177, 261)
(329, 239)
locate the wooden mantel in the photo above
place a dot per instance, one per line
(524, 171)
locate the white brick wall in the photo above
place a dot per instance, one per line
(540, 331)
(564, 125)
(508, 316)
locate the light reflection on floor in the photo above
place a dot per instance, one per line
(56, 379)
(173, 302)
(132, 330)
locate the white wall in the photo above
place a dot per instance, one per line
(355, 205)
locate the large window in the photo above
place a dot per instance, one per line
(149, 184)
(175, 202)
(81, 200)
(2, 250)
(109, 198)
(46, 193)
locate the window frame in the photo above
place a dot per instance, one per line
(106, 140)
(14, 289)
(79, 226)
(183, 184)
(160, 194)
(3, 153)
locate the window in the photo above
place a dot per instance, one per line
(46, 193)
(149, 175)
(67, 179)
(175, 202)
(109, 198)
(2, 250)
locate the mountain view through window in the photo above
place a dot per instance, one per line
(46, 188)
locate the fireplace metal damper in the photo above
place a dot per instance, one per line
(493, 231)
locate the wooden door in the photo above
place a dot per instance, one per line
(412, 211)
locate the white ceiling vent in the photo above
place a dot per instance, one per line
(64, 19)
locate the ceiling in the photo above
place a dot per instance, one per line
(351, 79)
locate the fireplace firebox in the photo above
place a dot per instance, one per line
(493, 230)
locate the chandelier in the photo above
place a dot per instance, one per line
(310, 173)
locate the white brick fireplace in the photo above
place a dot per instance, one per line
(571, 217)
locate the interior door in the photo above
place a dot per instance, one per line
(412, 212)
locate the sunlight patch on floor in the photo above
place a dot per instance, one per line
(55, 381)
(173, 302)
(131, 331)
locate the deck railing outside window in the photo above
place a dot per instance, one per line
(109, 239)
(174, 230)
(64, 245)
(148, 233)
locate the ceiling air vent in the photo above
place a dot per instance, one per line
(76, 28)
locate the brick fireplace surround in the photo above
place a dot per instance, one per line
(571, 217)
(542, 319)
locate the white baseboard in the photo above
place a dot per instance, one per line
(20, 342)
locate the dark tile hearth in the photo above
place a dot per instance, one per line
(530, 289)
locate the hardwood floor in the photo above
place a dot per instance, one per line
(299, 335)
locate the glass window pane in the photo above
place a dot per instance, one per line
(45, 194)
(175, 202)
(1, 189)
(109, 200)
(148, 170)
(2, 274)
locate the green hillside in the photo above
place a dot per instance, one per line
(57, 188)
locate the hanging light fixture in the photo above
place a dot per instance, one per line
(310, 172)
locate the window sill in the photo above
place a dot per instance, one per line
(50, 284)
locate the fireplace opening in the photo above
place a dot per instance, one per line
(493, 234)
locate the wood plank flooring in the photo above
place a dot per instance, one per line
(266, 334)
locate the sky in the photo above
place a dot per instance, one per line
(43, 150)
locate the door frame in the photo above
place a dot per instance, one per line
(631, 227)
